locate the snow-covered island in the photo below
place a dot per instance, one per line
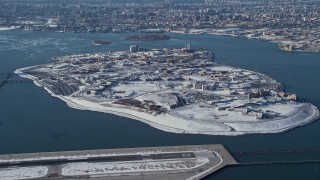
(175, 90)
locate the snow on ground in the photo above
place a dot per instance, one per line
(222, 68)
(7, 28)
(198, 175)
(246, 124)
(139, 87)
(165, 122)
(283, 109)
(306, 114)
(23, 172)
(211, 115)
(55, 157)
(162, 99)
(171, 122)
(131, 166)
(221, 92)
(199, 78)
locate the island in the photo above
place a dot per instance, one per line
(101, 42)
(148, 37)
(178, 90)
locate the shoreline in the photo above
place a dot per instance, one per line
(273, 41)
(173, 124)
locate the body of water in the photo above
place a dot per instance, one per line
(33, 121)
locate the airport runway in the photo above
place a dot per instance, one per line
(172, 162)
(100, 159)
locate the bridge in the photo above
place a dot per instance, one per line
(302, 162)
(270, 153)
(7, 78)
(275, 152)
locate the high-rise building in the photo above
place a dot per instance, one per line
(134, 48)
(187, 46)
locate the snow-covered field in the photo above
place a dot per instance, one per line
(222, 68)
(306, 114)
(140, 87)
(171, 123)
(23, 172)
(163, 99)
(283, 109)
(73, 169)
(211, 115)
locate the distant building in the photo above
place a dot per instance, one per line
(197, 85)
(134, 48)
(208, 87)
(253, 95)
(210, 55)
(264, 93)
(287, 47)
(187, 46)
(292, 97)
(288, 95)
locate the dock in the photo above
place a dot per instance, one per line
(171, 162)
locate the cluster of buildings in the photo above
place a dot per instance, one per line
(161, 80)
(292, 24)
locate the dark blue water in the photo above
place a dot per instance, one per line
(33, 121)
